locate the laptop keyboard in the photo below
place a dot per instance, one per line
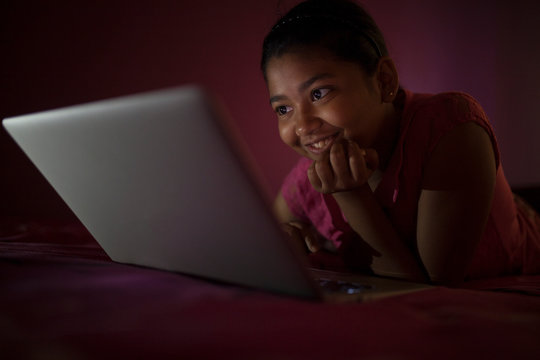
(344, 287)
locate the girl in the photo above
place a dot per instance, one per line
(409, 185)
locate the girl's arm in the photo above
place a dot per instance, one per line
(344, 174)
(454, 205)
(455, 202)
(365, 215)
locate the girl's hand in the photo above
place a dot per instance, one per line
(321, 253)
(306, 236)
(346, 167)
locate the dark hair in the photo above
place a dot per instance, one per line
(340, 26)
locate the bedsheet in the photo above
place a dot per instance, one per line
(61, 297)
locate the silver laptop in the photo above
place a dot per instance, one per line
(160, 180)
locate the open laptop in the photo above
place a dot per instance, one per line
(160, 180)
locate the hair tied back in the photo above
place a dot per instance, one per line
(299, 18)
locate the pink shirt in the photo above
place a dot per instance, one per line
(511, 241)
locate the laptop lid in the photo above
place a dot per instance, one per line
(158, 182)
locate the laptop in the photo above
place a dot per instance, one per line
(161, 180)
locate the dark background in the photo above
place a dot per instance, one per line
(58, 53)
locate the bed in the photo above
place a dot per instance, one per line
(61, 297)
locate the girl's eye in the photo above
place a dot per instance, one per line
(283, 109)
(318, 94)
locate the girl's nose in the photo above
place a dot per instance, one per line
(306, 124)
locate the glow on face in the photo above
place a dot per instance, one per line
(320, 100)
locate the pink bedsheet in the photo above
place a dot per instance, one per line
(62, 298)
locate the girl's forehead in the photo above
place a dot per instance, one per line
(303, 55)
(295, 66)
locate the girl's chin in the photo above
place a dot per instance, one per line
(315, 157)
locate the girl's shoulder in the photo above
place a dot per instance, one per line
(451, 106)
(427, 118)
(430, 116)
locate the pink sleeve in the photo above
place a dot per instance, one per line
(294, 187)
(456, 108)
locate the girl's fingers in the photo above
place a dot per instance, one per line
(295, 234)
(325, 174)
(357, 162)
(314, 178)
(304, 234)
(313, 243)
(340, 165)
(363, 162)
(372, 159)
(346, 166)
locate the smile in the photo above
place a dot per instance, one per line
(321, 145)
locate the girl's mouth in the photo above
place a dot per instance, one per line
(321, 145)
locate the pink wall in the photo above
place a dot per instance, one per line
(80, 51)
(489, 49)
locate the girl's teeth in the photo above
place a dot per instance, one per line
(321, 144)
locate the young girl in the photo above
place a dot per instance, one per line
(409, 185)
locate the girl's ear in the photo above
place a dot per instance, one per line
(388, 79)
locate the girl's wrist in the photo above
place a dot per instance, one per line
(356, 193)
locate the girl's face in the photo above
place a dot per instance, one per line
(320, 100)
